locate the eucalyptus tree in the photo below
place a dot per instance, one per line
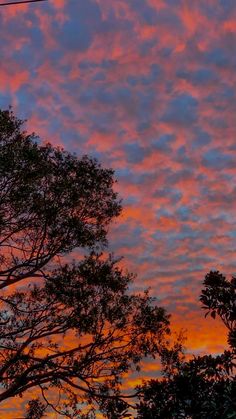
(69, 329)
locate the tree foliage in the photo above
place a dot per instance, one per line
(68, 330)
(205, 386)
(50, 202)
(219, 298)
(90, 300)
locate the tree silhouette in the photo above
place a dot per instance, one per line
(205, 386)
(50, 202)
(70, 328)
(219, 298)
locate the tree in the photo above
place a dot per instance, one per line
(50, 202)
(219, 298)
(66, 327)
(205, 386)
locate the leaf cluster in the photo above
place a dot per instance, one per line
(219, 298)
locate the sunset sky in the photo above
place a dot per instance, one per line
(148, 87)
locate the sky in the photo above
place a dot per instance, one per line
(148, 87)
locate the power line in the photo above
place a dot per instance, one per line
(19, 2)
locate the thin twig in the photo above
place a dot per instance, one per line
(20, 2)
